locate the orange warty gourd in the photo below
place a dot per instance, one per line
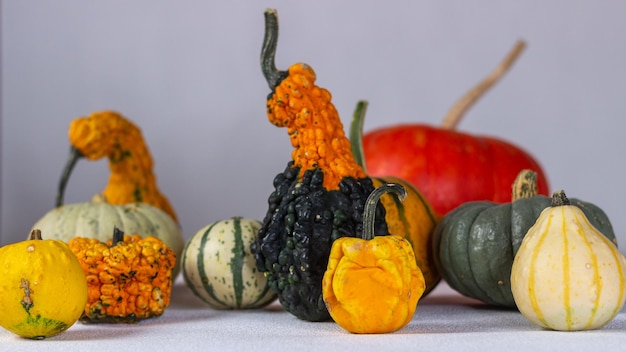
(129, 278)
(314, 127)
(109, 134)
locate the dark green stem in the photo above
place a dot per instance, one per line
(75, 154)
(559, 198)
(35, 234)
(268, 52)
(118, 236)
(369, 213)
(356, 133)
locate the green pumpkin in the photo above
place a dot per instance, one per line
(475, 244)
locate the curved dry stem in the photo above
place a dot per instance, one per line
(455, 114)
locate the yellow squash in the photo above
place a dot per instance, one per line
(43, 289)
(566, 275)
(372, 285)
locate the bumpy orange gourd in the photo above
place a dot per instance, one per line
(314, 127)
(372, 285)
(109, 134)
(129, 278)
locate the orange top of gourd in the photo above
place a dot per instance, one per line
(109, 134)
(313, 124)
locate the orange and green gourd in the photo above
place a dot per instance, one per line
(109, 134)
(129, 278)
(318, 198)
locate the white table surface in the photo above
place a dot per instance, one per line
(443, 321)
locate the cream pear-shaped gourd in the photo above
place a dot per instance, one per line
(567, 275)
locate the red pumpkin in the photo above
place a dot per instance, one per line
(451, 167)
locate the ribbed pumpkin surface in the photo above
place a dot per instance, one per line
(219, 268)
(97, 220)
(566, 274)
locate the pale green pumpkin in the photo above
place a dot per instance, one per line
(97, 220)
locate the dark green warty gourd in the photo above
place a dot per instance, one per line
(318, 198)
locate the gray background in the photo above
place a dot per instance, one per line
(187, 72)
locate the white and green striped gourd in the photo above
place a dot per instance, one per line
(218, 267)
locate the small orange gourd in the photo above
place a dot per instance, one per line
(129, 277)
(373, 284)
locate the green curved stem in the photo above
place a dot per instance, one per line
(369, 213)
(356, 133)
(268, 52)
(75, 154)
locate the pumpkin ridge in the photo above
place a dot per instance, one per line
(202, 271)
(236, 262)
(622, 287)
(465, 285)
(531, 277)
(594, 263)
(478, 264)
(429, 211)
(566, 271)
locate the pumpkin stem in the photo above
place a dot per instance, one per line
(559, 199)
(268, 51)
(369, 213)
(35, 234)
(459, 109)
(525, 185)
(75, 154)
(118, 236)
(356, 133)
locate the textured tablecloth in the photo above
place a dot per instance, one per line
(444, 321)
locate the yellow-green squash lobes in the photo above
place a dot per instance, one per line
(218, 267)
(567, 275)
